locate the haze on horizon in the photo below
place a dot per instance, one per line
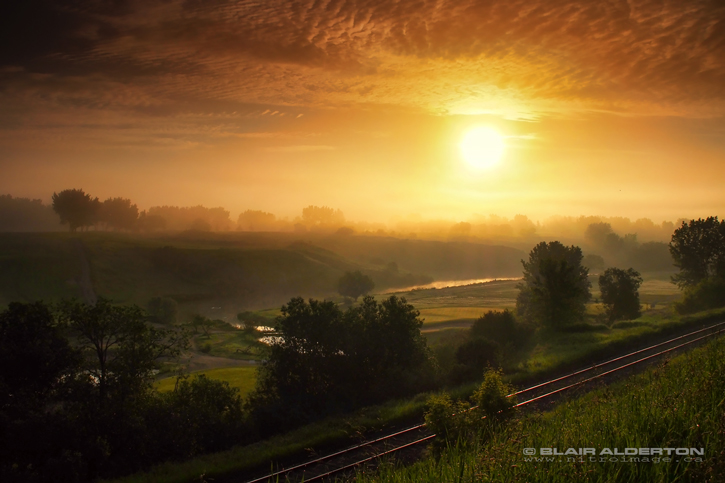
(613, 109)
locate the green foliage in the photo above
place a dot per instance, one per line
(354, 284)
(202, 415)
(120, 349)
(76, 208)
(698, 249)
(492, 396)
(472, 357)
(555, 286)
(451, 421)
(118, 213)
(34, 358)
(80, 411)
(308, 370)
(678, 404)
(501, 327)
(620, 293)
(456, 422)
(24, 214)
(707, 294)
(593, 262)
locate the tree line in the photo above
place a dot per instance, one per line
(76, 395)
(77, 401)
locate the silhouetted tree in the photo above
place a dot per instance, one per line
(35, 357)
(698, 250)
(76, 208)
(24, 214)
(149, 223)
(118, 213)
(354, 284)
(308, 369)
(121, 350)
(620, 293)
(322, 215)
(254, 220)
(497, 326)
(192, 217)
(593, 262)
(555, 286)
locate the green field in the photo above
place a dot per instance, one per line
(676, 405)
(234, 344)
(242, 378)
(221, 274)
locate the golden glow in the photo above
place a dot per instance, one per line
(482, 147)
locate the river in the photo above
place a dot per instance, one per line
(446, 284)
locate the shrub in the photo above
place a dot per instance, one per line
(492, 396)
(707, 294)
(450, 421)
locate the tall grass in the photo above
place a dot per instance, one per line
(680, 404)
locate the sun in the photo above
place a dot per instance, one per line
(482, 147)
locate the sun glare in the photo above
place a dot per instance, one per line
(482, 147)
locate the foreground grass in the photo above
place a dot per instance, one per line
(680, 404)
(339, 431)
(242, 378)
(550, 352)
(299, 443)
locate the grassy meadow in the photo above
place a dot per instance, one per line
(678, 404)
(242, 378)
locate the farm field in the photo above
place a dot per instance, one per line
(242, 378)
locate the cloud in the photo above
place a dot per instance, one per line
(517, 58)
(302, 148)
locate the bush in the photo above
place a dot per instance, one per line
(708, 294)
(450, 421)
(472, 357)
(585, 327)
(492, 396)
(620, 293)
(501, 327)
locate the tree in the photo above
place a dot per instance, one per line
(354, 284)
(255, 220)
(326, 360)
(555, 286)
(118, 213)
(24, 214)
(620, 293)
(322, 215)
(35, 357)
(149, 223)
(698, 250)
(76, 208)
(120, 348)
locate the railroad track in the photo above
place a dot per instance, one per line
(366, 453)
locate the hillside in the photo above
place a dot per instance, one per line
(221, 274)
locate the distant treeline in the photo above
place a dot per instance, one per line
(23, 214)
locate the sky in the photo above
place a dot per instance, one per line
(605, 107)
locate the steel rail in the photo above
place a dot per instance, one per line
(596, 366)
(332, 455)
(614, 370)
(358, 463)
(427, 438)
